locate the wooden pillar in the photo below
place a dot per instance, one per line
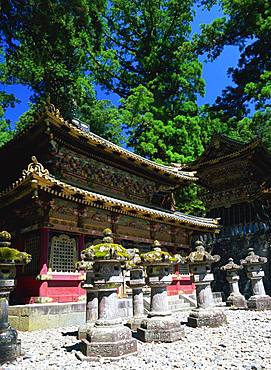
(44, 250)
(81, 244)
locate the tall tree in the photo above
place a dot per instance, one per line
(245, 105)
(148, 59)
(47, 44)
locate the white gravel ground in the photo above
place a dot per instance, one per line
(244, 343)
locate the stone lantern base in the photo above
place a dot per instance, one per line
(257, 302)
(83, 330)
(135, 322)
(206, 317)
(237, 301)
(10, 345)
(110, 342)
(160, 329)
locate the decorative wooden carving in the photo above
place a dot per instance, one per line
(96, 175)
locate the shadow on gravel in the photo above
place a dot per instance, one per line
(74, 347)
(70, 334)
(135, 335)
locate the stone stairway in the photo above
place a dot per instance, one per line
(179, 303)
(176, 303)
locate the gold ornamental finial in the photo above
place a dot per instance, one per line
(36, 168)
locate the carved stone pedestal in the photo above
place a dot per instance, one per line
(108, 337)
(259, 302)
(206, 317)
(160, 329)
(159, 326)
(235, 299)
(206, 314)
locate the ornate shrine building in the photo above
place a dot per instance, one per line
(75, 185)
(237, 179)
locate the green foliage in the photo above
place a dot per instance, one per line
(147, 43)
(47, 46)
(188, 200)
(245, 106)
(148, 59)
(6, 100)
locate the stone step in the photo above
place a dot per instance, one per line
(190, 299)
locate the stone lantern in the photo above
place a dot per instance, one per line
(200, 266)
(253, 264)
(136, 283)
(10, 345)
(235, 298)
(159, 326)
(108, 338)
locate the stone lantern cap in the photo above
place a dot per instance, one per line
(106, 250)
(134, 261)
(201, 256)
(158, 257)
(11, 255)
(253, 259)
(231, 266)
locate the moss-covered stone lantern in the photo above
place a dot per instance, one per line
(159, 326)
(235, 299)
(253, 264)
(200, 262)
(10, 345)
(108, 337)
(136, 283)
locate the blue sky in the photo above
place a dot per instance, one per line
(214, 73)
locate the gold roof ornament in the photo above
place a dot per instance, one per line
(48, 109)
(36, 168)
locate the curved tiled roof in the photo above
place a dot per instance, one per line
(40, 177)
(223, 148)
(50, 111)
